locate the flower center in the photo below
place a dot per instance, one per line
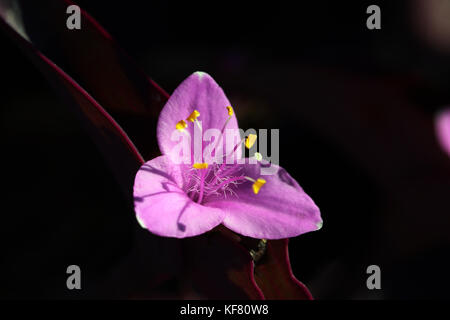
(205, 180)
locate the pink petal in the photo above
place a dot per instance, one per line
(162, 207)
(280, 210)
(198, 92)
(442, 124)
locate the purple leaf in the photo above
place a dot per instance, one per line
(118, 149)
(274, 274)
(108, 135)
(105, 85)
(220, 268)
(94, 60)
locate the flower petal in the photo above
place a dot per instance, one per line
(442, 125)
(198, 92)
(162, 207)
(281, 209)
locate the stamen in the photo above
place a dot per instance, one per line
(214, 181)
(198, 124)
(250, 141)
(230, 115)
(230, 111)
(193, 116)
(222, 172)
(257, 184)
(227, 182)
(202, 184)
(181, 125)
(200, 165)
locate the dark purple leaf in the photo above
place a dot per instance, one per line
(219, 267)
(95, 61)
(124, 160)
(106, 84)
(274, 275)
(118, 149)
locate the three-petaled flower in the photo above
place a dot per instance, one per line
(180, 200)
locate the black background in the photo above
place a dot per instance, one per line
(341, 95)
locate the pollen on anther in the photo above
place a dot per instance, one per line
(257, 185)
(250, 141)
(200, 165)
(230, 111)
(193, 116)
(181, 125)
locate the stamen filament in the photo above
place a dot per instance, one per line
(228, 181)
(230, 115)
(249, 141)
(202, 187)
(193, 118)
(250, 179)
(198, 124)
(206, 181)
(224, 173)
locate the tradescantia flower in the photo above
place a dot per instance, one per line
(174, 199)
(442, 125)
(221, 268)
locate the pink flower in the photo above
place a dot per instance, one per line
(188, 199)
(442, 125)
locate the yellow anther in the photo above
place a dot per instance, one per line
(193, 116)
(257, 185)
(200, 165)
(230, 111)
(181, 125)
(250, 141)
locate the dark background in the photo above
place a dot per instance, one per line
(355, 111)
